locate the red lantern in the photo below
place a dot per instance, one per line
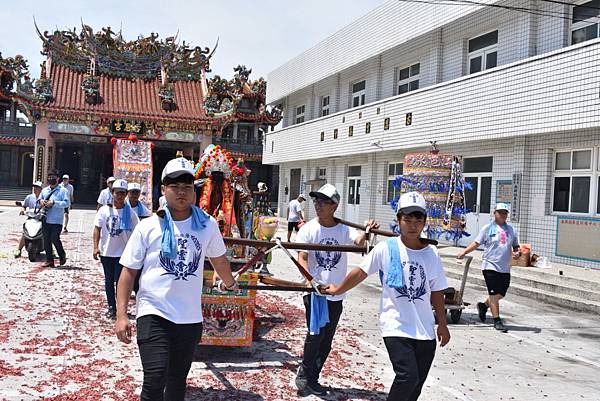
(113, 140)
(133, 137)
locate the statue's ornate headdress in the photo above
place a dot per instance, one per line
(215, 158)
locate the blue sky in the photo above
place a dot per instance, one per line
(262, 34)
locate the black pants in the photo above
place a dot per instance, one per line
(51, 235)
(166, 351)
(112, 272)
(136, 283)
(317, 347)
(411, 360)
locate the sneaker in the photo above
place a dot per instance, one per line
(499, 325)
(316, 389)
(482, 309)
(300, 379)
(46, 264)
(110, 313)
(62, 260)
(17, 253)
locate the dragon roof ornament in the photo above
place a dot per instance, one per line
(143, 58)
(224, 97)
(15, 70)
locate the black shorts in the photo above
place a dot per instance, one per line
(67, 210)
(293, 225)
(497, 283)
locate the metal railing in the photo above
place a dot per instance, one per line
(238, 145)
(15, 128)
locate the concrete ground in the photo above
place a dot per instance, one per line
(56, 345)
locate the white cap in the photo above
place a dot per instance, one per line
(262, 186)
(37, 184)
(411, 202)
(66, 176)
(119, 184)
(134, 186)
(502, 206)
(326, 191)
(177, 167)
(302, 196)
(110, 179)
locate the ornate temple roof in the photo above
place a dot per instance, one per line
(101, 77)
(96, 78)
(124, 98)
(111, 55)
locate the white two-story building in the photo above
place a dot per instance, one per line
(513, 87)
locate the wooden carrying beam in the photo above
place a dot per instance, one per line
(380, 232)
(294, 245)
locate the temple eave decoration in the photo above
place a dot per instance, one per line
(225, 98)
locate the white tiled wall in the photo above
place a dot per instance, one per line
(531, 156)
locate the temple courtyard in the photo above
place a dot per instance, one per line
(55, 343)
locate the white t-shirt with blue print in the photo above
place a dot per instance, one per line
(327, 267)
(172, 288)
(112, 238)
(407, 311)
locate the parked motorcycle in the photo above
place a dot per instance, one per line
(32, 232)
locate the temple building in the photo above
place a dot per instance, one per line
(96, 86)
(16, 136)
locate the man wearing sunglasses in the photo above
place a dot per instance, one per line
(500, 242)
(327, 267)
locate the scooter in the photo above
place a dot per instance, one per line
(32, 232)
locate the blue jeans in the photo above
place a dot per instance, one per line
(112, 271)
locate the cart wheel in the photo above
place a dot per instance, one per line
(455, 315)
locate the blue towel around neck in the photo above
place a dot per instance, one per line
(168, 245)
(395, 276)
(141, 210)
(319, 313)
(126, 218)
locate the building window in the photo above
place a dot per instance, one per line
(335, 133)
(585, 22)
(351, 130)
(322, 136)
(359, 93)
(368, 128)
(324, 106)
(394, 170)
(598, 196)
(322, 173)
(572, 181)
(408, 78)
(483, 52)
(300, 114)
(386, 124)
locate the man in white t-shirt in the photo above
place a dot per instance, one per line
(170, 250)
(113, 226)
(29, 202)
(501, 244)
(327, 267)
(105, 197)
(294, 215)
(412, 279)
(134, 190)
(66, 185)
